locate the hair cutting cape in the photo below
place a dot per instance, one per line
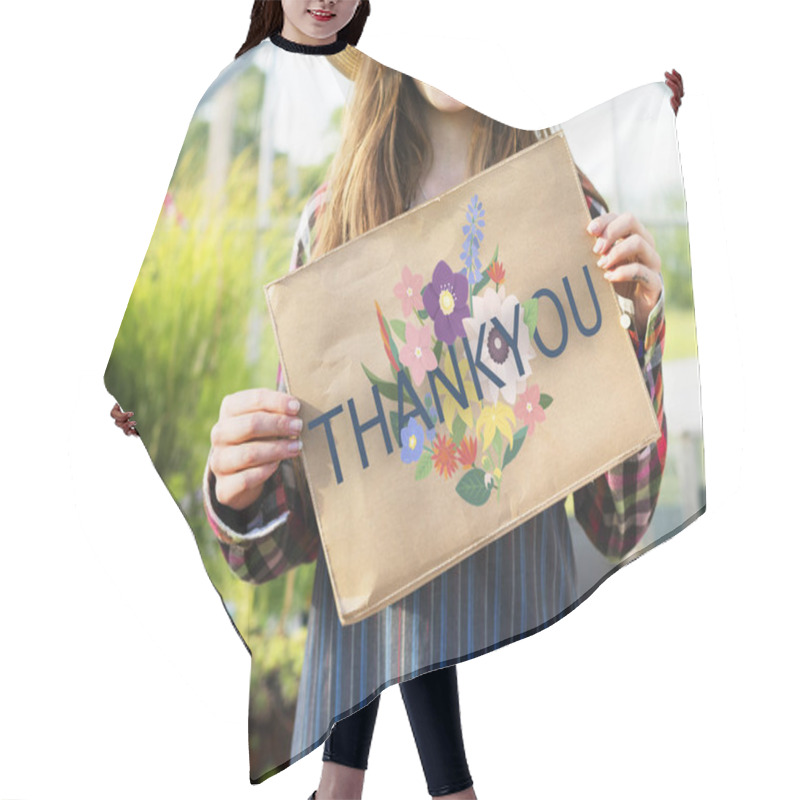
(240, 212)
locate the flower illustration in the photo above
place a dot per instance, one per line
(451, 406)
(416, 353)
(499, 356)
(528, 408)
(409, 291)
(390, 348)
(469, 255)
(496, 272)
(413, 439)
(446, 300)
(493, 418)
(444, 455)
(467, 451)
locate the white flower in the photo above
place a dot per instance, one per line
(496, 354)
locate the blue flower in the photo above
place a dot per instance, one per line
(413, 438)
(474, 234)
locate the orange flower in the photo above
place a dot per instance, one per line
(496, 272)
(467, 451)
(444, 455)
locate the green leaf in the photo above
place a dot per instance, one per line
(531, 314)
(515, 446)
(545, 400)
(497, 443)
(459, 429)
(496, 251)
(392, 345)
(388, 390)
(473, 489)
(423, 314)
(437, 350)
(399, 328)
(481, 283)
(424, 466)
(487, 464)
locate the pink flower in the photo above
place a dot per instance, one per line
(527, 408)
(409, 290)
(416, 353)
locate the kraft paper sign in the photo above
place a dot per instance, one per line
(460, 368)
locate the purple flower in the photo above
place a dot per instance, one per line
(446, 300)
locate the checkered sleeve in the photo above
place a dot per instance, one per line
(616, 508)
(279, 530)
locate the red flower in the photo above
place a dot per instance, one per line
(444, 455)
(496, 272)
(467, 451)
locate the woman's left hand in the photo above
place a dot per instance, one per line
(627, 253)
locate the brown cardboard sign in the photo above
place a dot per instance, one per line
(461, 368)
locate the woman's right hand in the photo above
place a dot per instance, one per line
(256, 430)
(124, 420)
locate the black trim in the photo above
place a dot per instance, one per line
(309, 49)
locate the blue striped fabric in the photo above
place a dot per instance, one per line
(346, 667)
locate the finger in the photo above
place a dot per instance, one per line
(230, 460)
(257, 425)
(597, 227)
(622, 226)
(633, 248)
(637, 273)
(229, 487)
(675, 77)
(261, 399)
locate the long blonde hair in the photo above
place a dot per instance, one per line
(385, 151)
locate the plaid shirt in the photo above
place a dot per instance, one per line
(279, 531)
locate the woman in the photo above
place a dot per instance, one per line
(439, 142)
(405, 142)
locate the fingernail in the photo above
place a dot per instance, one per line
(592, 226)
(602, 261)
(608, 275)
(295, 446)
(294, 405)
(599, 245)
(296, 425)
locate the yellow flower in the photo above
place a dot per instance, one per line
(449, 404)
(498, 417)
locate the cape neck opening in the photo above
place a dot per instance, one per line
(309, 49)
